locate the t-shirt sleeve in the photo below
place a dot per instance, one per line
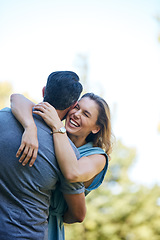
(70, 188)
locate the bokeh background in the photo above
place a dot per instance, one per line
(113, 45)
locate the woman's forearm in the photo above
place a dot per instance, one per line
(64, 153)
(22, 109)
(66, 157)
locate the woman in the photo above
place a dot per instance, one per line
(88, 126)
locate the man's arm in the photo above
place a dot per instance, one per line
(76, 208)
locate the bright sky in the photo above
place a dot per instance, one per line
(121, 41)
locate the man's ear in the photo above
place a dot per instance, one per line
(43, 90)
(96, 130)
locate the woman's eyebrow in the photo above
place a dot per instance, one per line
(88, 113)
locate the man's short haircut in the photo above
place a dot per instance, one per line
(62, 89)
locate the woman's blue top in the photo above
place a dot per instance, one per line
(58, 205)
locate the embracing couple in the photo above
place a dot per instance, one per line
(42, 184)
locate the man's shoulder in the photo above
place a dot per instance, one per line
(6, 109)
(41, 125)
(75, 149)
(7, 119)
(6, 113)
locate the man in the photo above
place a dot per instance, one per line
(25, 192)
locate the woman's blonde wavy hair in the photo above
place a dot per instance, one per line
(103, 137)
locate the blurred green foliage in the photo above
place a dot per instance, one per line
(120, 209)
(5, 92)
(158, 21)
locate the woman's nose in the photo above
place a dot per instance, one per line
(77, 115)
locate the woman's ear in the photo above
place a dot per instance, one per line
(96, 130)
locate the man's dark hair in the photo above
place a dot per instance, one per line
(62, 89)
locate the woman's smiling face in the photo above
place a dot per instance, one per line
(81, 120)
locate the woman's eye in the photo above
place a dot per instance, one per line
(86, 114)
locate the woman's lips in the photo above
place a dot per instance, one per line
(74, 123)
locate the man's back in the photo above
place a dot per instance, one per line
(24, 191)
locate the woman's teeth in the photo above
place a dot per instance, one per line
(74, 123)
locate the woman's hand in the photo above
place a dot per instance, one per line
(49, 115)
(29, 146)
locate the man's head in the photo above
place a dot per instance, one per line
(62, 89)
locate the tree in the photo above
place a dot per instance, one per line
(158, 20)
(5, 92)
(81, 62)
(120, 209)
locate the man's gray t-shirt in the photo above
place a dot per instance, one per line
(25, 191)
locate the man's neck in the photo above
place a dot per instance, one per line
(61, 113)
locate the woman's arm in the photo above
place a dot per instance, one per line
(82, 170)
(74, 171)
(22, 109)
